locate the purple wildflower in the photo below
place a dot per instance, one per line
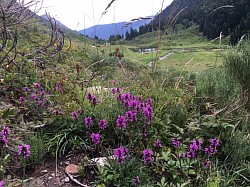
(58, 86)
(126, 97)
(206, 164)
(176, 142)
(57, 112)
(144, 130)
(212, 149)
(133, 103)
(149, 101)
(115, 82)
(92, 99)
(1, 183)
(40, 102)
(3, 140)
(136, 181)
(196, 145)
(157, 143)
(102, 124)
(74, 115)
(191, 154)
(119, 97)
(88, 122)
(89, 97)
(120, 153)
(5, 131)
(148, 112)
(120, 122)
(113, 90)
(214, 142)
(42, 93)
(37, 85)
(129, 116)
(194, 148)
(95, 138)
(118, 90)
(24, 150)
(139, 98)
(34, 96)
(25, 89)
(147, 156)
(79, 111)
(22, 99)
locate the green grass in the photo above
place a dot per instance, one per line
(186, 45)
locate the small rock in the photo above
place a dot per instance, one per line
(50, 178)
(44, 171)
(66, 179)
(101, 161)
(72, 169)
(53, 174)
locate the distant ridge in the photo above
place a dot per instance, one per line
(104, 31)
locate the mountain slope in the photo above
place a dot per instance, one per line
(104, 31)
(226, 17)
(229, 17)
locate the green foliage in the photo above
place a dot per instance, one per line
(237, 144)
(215, 85)
(237, 64)
(113, 174)
(37, 148)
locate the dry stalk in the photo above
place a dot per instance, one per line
(180, 77)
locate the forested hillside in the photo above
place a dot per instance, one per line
(229, 17)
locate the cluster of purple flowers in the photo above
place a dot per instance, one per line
(92, 99)
(120, 154)
(88, 122)
(157, 143)
(3, 136)
(147, 156)
(95, 137)
(131, 115)
(115, 90)
(24, 150)
(120, 122)
(102, 124)
(212, 149)
(176, 142)
(135, 105)
(75, 115)
(194, 147)
(36, 94)
(58, 87)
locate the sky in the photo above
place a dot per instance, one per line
(80, 14)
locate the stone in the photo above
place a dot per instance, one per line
(66, 179)
(72, 169)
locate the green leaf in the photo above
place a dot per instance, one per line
(163, 180)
